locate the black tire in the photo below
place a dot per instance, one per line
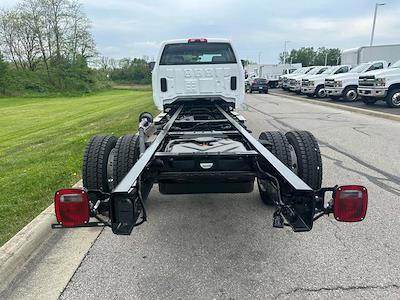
(393, 98)
(309, 162)
(250, 91)
(350, 94)
(369, 100)
(281, 149)
(95, 163)
(126, 155)
(320, 92)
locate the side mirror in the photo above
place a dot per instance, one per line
(243, 62)
(151, 65)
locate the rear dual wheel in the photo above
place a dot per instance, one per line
(299, 151)
(107, 160)
(279, 147)
(308, 157)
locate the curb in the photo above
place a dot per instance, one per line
(343, 107)
(18, 250)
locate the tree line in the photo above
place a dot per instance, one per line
(47, 46)
(126, 70)
(308, 56)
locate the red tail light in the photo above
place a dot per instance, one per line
(201, 40)
(72, 207)
(350, 203)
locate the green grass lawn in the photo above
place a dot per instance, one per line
(42, 142)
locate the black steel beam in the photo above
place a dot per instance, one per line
(129, 181)
(286, 173)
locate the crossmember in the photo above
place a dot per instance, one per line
(127, 199)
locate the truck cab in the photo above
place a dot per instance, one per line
(346, 85)
(314, 85)
(200, 68)
(381, 85)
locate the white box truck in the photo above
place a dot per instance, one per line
(356, 56)
(271, 72)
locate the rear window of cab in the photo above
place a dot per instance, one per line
(197, 53)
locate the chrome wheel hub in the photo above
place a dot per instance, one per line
(351, 95)
(322, 93)
(396, 99)
(295, 165)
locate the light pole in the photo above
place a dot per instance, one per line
(374, 22)
(284, 52)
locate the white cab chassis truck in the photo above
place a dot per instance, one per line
(314, 85)
(381, 85)
(200, 144)
(295, 81)
(191, 71)
(346, 85)
(285, 79)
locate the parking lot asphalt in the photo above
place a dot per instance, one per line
(224, 247)
(379, 106)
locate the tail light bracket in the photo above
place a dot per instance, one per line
(337, 203)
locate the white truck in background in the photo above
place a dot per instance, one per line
(295, 81)
(271, 72)
(381, 85)
(285, 79)
(314, 85)
(356, 56)
(346, 85)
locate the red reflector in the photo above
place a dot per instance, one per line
(201, 40)
(350, 203)
(72, 207)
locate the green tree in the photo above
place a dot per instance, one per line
(132, 71)
(307, 56)
(3, 74)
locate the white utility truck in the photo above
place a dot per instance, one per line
(295, 81)
(381, 85)
(314, 85)
(202, 145)
(271, 72)
(285, 79)
(356, 56)
(346, 85)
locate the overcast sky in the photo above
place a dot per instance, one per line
(128, 28)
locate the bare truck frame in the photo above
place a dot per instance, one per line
(184, 156)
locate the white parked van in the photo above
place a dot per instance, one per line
(196, 69)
